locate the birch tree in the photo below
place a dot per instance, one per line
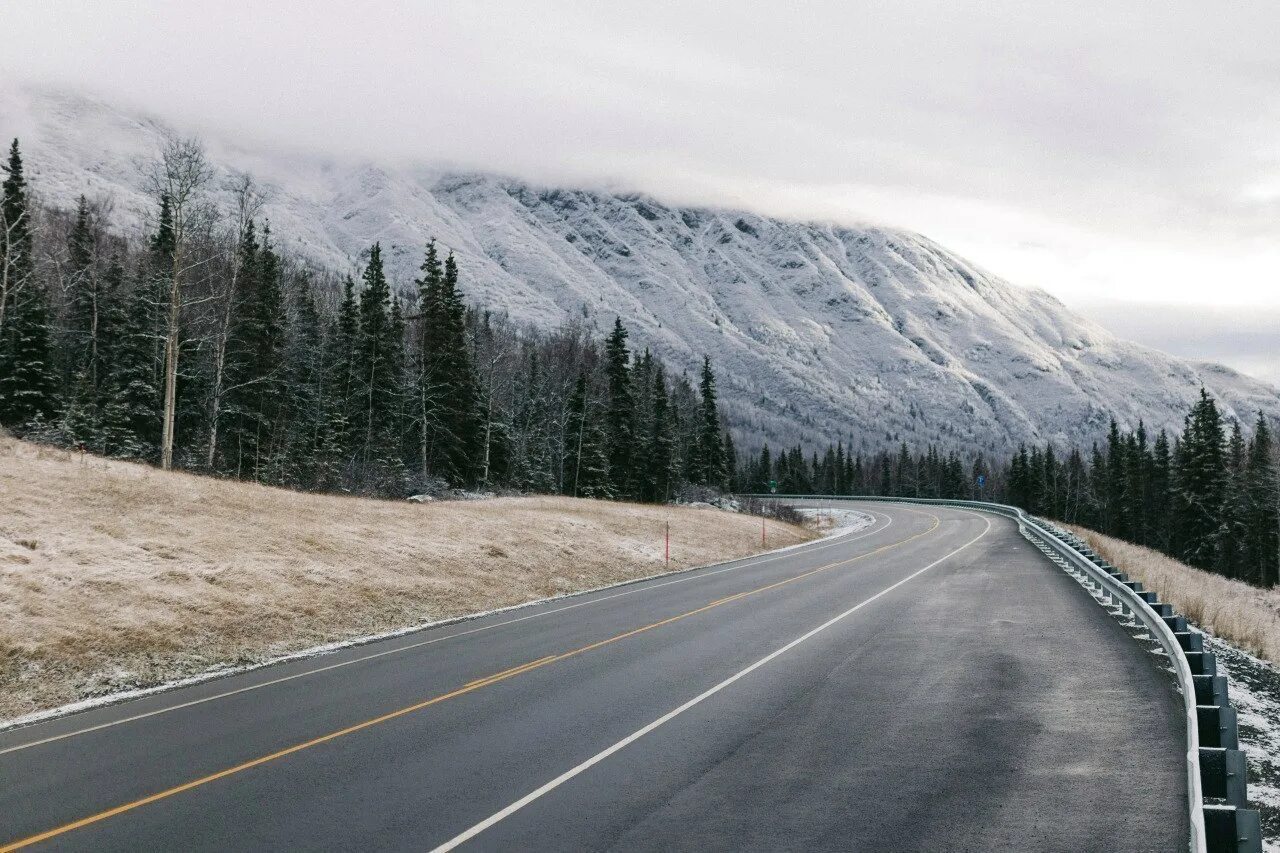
(179, 176)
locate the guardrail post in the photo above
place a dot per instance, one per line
(1202, 663)
(1223, 775)
(1231, 830)
(1210, 689)
(1217, 724)
(1191, 641)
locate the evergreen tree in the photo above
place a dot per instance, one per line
(28, 381)
(131, 411)
(1262, 495)
(1233, 527)
(341, 373)
(377, 383)
(621, 412)
(1115, 515)
(659, 473)
(448, 394)
(309, 459)
(708, 467)
(79, 343)
(1160, 484)
(1200, 485)
(254, 360)
(586, 460)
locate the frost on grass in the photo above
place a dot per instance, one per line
(116, 576)
(1244, 615)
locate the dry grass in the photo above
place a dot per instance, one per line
(114, 575)
(1244, 615)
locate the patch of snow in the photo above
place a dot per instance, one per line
(1254, 690)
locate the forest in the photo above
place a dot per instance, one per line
(1208, 496)
(205, 347)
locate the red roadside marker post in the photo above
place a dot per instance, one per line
(668, 545)
(762, 532)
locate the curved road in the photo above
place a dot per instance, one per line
(930, 683)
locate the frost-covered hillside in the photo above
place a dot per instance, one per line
(817, 330)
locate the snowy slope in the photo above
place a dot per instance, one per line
(817, 330)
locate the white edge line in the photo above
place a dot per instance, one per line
(639, 733)
(125, 696)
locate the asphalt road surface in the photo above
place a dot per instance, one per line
(929, 683)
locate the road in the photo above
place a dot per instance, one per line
(930, 683)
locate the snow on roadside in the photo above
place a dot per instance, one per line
(1254, 688)
(832, 520)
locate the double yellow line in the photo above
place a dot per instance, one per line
(469, 687)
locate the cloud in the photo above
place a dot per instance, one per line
(1102, 149)
(1248, 340)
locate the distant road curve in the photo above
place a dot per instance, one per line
(931, 683)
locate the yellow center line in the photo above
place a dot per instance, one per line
(469, 687)
(507, 673)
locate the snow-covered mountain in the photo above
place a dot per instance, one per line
(817, 330)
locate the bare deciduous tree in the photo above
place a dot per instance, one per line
(179, 174)
(246, 203)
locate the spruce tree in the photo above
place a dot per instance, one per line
(254, 359)
(1262, 499)
(586, 459)
(1200, 486)
(307, 458)
(447, 406)
(28, 382)
(1115, 509)
(339, 399)
(621, 412)
(659, 473)
(131, 408)
(1160, 483)
(1233, 528)
(708, 468)
(377, 379)
(79, 344)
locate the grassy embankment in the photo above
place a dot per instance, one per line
(116, 576)
(1243, 615)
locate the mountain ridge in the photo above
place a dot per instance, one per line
(819, 330)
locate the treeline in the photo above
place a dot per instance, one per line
(836, 471)
(207, 348)
(1208, 497)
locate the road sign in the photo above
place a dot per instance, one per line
(773, 487)
(982, 480)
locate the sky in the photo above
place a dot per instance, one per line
(1123, 155)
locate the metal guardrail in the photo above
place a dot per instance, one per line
(1233, 828)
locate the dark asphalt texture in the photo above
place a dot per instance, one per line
(987, 703)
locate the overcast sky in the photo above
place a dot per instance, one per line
(1123, 155)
